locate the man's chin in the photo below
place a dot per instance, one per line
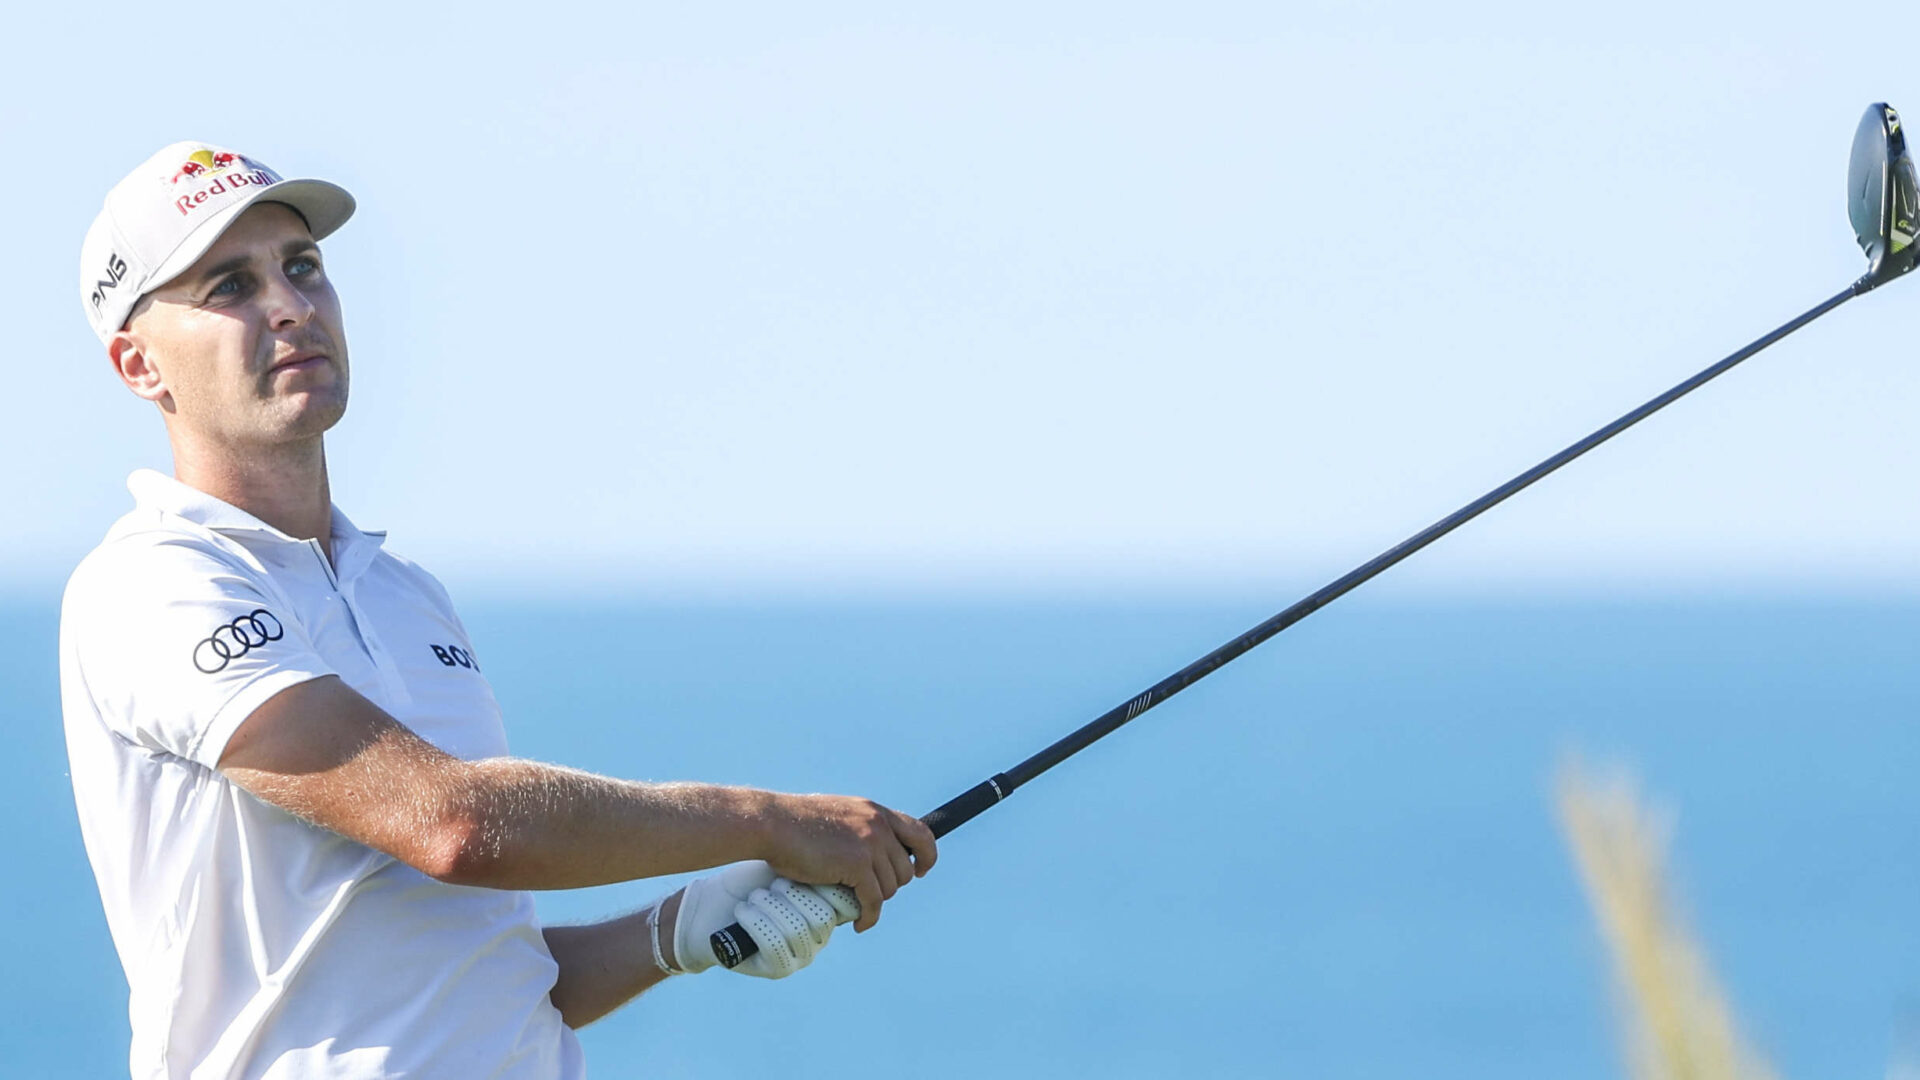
(311, 415)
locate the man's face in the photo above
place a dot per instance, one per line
(246, 346)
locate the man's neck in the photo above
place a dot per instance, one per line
(284, 486)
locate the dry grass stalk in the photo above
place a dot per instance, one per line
(1677, 1024)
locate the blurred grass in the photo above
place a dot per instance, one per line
(1676, 1020)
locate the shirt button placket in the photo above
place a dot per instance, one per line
(382, 660)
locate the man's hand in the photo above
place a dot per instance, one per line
(840, 840)
(789, 922)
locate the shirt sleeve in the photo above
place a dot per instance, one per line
(179, 641)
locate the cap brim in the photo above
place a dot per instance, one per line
(325, 206)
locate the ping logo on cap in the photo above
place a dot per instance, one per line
(116, 272)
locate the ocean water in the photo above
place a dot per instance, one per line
(1336, 857)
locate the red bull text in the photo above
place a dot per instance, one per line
(223, 184)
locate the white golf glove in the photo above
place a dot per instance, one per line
(790, 922)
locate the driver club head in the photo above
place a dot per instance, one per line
(1883, 196)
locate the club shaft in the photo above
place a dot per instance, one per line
(960, 810)
(977, 799)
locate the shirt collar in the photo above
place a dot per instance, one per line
(353, 547)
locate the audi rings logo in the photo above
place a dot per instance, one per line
(236, 639)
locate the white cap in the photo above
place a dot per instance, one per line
(170, 210)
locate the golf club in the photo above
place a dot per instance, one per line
(1883, 203)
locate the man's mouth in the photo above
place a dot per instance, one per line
(300, 361)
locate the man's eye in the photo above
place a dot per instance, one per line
(227, 287)
(303, 264)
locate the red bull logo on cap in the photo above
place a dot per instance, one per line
(206, 162)
(214, 172)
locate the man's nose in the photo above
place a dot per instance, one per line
(287, 306)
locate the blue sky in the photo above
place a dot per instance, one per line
(746, 297)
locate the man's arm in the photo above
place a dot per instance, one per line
(604, 965)
(324, 752)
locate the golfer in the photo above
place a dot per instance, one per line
(293, 780)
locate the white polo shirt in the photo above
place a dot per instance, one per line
(256, 944)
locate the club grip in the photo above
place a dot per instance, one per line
(733, 945)
(967, 805)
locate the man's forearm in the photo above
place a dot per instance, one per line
(520, 824)
(604, 965)
(324, 752)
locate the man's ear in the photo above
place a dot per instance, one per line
(128, 355)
